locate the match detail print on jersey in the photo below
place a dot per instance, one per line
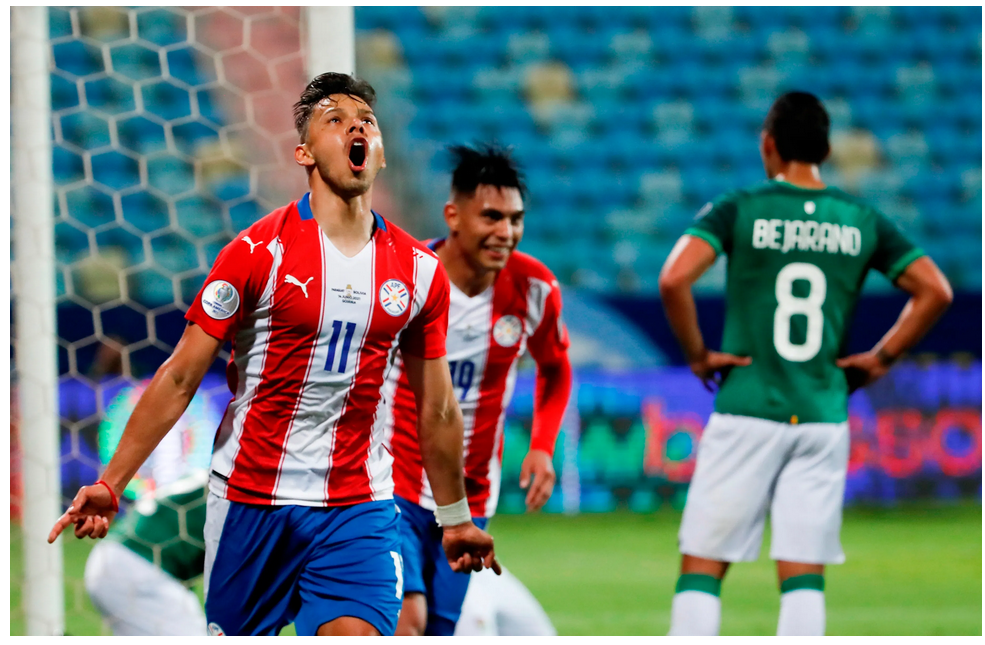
(310, 356)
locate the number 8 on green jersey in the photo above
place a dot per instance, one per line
(797, 259)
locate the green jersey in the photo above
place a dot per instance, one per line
(167, 527)
(797, 258)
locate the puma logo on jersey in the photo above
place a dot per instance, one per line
(304, 287)
(252, 244)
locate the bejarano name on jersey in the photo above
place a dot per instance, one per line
(797, 259)
(822, 237)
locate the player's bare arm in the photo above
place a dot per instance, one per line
(930, 296)
(440, 433)
(688, 261)
(158, 409)
(537, 474)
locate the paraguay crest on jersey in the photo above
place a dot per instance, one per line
(507, 331)
(394, 297)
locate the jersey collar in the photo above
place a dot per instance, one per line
(304, 210)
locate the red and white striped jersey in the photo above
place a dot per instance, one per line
(487, 335)
(314, 334)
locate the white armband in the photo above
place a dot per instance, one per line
(452, 514)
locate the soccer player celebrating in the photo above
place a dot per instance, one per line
(316, 298)
(503, 302)
(798, 252)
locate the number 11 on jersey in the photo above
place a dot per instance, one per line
(350, 329)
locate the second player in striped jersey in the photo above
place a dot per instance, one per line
(503, 303)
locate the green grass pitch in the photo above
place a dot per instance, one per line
(912, 570)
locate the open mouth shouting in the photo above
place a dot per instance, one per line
(358, 153)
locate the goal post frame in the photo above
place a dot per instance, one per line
(36, 334)
(331, 40)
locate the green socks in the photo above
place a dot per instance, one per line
(806, 581)
(699, 582)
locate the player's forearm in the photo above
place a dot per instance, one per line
(916, 319)
(682, 314)
(441, 436)
(159, 408)
(551, 394)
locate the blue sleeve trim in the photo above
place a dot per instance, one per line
(304, 207)
(380, 222)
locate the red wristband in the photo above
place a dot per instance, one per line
(116, 503)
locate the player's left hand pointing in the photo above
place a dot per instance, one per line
(469, 548)
(91, 512)
(537, 466)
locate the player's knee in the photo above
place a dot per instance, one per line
(786, 569)
(413, 619)
(704, 566)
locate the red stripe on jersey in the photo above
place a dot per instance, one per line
(506, 298)
(290, 349)
(349, 478)
(408, 467)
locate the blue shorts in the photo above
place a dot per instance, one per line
(426, 568)
(274, 565)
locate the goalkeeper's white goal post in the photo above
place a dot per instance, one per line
(36, 336)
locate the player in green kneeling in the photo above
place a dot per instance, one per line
(137, 576)
(798, 252)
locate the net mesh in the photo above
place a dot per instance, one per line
(172, 131)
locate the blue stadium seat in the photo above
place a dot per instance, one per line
(855, 55)
(578, 49)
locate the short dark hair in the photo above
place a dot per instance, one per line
(485, 163)
(800, 125)
(324, 85)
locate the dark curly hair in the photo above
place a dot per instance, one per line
(484, 164)
(324, 85)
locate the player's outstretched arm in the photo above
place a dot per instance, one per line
(440, 434)
(688, 261)
(930, 296)
(159, 408)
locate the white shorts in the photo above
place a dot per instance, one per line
(746, 465)
(138, 599)
(501, 606)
